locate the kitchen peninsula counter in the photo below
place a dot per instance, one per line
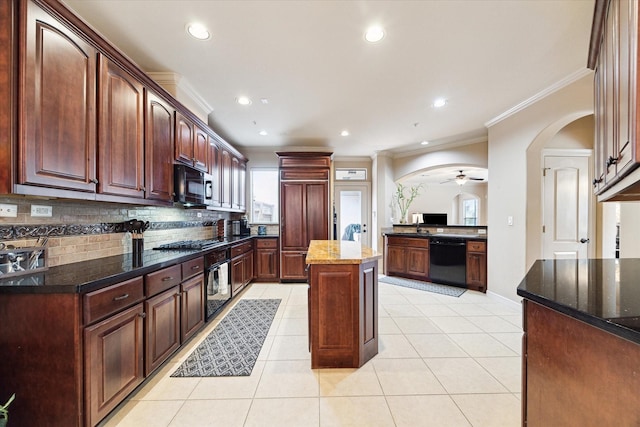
(581, 343)
(343, 303)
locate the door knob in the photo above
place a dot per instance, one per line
(583, 240)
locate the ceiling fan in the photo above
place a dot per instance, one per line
(461, 179)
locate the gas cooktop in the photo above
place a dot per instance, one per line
(191, 244)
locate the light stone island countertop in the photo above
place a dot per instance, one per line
(339, 252)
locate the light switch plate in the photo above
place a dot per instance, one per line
(8, 210)
(40, 210)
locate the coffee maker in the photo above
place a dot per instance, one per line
(245, 230)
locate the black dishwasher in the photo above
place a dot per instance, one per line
(447, 261)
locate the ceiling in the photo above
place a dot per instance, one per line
(310, 61)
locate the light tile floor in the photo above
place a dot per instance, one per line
(442, 361)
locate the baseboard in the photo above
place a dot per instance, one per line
(515, 304)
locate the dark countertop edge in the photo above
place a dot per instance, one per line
(265, 236)
(595, 321)
(428, 235)
(484, 227)
(83, 288)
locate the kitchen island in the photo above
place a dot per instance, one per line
(581, 343)
(343, 303)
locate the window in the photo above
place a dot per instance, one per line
(264, 196)
(470, 211)
(351, 174)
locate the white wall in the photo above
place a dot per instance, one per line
(435, 198)
(507, 193)
(629, 230)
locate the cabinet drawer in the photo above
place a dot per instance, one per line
(407, 241)
(305, 162)
(240, 249)
(476, 246)
(266, 243)
(163, 279)
(192, 267)
(306, 174)
(100, 304)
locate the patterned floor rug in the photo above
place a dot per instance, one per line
(423, 286)
(232, 348)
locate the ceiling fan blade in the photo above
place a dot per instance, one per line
(447, 180)
(476, 179)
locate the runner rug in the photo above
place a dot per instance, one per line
(232, 348)
(423, 286)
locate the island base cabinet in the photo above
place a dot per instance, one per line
(575, 374)
(343, 314)
(113, 361)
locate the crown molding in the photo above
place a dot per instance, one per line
(174, 82)
(572, 78)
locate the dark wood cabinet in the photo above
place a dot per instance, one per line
(200, 149)
(266, 259)
(343, 314)
(158, 148)
(120, 132)
(192, 310)
(57, 143)
(191, 143)
(225, 178)
(240, 186)
(114, 356)
(613, 55)
(162, 327)
(477, 265)
(241, 266)
(215, 170)
(407, 257)
(304, 208)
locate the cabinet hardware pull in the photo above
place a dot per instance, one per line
(166, 279)
(142, 315)
(121, 297)
(195, 267)
(143, 189)
(583, 240)
(597, 181)
(612, 161)
(93, 181)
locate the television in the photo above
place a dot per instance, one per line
(434, 218)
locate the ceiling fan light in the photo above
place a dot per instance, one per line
(461, 180)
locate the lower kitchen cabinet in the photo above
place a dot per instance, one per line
(192, 297)
(241, 266)
(408, 257)
(114, 356)
(266, 259)
(477, 265)
(162, 327)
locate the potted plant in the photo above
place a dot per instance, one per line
(4, 411)
(404, 201)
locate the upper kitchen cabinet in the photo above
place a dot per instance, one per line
(215, 171)
(158, 148)
(120, 132)
(57, 128)
(192, 143)
(613, 55)
(238, 178)
(225, 178)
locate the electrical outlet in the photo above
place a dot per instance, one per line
(482, 231)
(40, 210)
(8, 210)
(199, 214)
(439, 230)
(509, 220)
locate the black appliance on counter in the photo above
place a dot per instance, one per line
(218, 281)
(448, 261)
(245, 230)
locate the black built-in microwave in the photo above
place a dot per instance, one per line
(192, 187)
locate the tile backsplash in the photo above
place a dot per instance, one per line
(80, 231)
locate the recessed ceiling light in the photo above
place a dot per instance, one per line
(264, 100)
(374, 34)
(344, 133)
(198, 31)
(263, 133)
(424, 143)
(440, 102)
(243, 100)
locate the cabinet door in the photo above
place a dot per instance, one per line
(418, 261)
(162, 327)
(120, 133)
(241, 186)
(58, 138)
(477, 270)
(396, 259)
(293, 265)
(609, 47)
(266, 261)
(248, 267)
(200, 149)
(293, 232)
(225, 178)
(114, 358)
(184, 140)
(235, 183)
(158, 149)
(237, 274)
(317, 211)
(192, 306)
(215, 170)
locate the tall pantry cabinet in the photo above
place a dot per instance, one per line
(304, 208)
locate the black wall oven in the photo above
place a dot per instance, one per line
(218, 282)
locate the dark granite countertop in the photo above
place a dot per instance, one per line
(87, 276)
(604, 293)
(426, 235)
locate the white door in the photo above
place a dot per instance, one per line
(353, 213)
(566, 198)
